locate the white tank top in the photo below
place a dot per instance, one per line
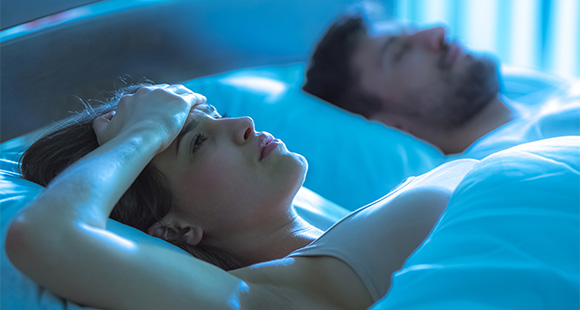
(357, 238)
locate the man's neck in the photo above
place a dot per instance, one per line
(494, 115)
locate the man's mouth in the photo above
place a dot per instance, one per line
(449, 55)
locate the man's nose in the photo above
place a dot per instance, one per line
(431, 38)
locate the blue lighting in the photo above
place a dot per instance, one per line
(535, 34)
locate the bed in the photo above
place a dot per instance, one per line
(528, 256)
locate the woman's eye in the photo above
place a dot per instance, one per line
(197, 142)
(225, 115)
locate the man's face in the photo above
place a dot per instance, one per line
(424, 81)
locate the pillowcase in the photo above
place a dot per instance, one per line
(352, 161)
(509, 239)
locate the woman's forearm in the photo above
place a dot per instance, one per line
(69, 217)
(82, 196)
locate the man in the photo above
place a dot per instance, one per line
(415, 81)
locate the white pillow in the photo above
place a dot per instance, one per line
(351, 161)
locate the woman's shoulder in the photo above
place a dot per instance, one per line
(313, 282)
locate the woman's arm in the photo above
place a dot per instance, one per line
(61, 242)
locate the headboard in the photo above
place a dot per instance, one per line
(48, 63)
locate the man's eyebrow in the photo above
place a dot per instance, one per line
(188, 127)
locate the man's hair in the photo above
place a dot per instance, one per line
(146, 201)
(330, 75)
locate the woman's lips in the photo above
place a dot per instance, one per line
(268, 147)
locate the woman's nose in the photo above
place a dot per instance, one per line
(431, 38)
(243, 129)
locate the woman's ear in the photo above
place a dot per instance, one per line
(191, 235)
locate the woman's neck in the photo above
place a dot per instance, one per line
(274, 241)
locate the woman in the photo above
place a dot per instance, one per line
(227, 198)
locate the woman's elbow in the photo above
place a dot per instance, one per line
(17, 247)
(27, 238)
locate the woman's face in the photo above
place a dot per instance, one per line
(225, 176)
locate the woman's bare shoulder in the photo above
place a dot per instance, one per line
(309, 282)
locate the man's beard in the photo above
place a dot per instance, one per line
(459, 98)
(468, 94)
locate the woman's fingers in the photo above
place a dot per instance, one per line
(200, 99)
(187, 93)
(175, 89)
(152, 107)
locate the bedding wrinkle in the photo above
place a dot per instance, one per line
(564, 165)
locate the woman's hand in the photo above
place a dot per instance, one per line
(60, 239)
(160, 109)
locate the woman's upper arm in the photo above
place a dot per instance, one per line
(414, 214)
(115, 273)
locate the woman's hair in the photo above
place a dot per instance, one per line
(146, 201)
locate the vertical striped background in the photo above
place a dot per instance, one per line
(537, 34)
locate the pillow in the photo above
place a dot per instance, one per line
(352, 161)
(531, 87)
(19, 292)
(509, 239)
